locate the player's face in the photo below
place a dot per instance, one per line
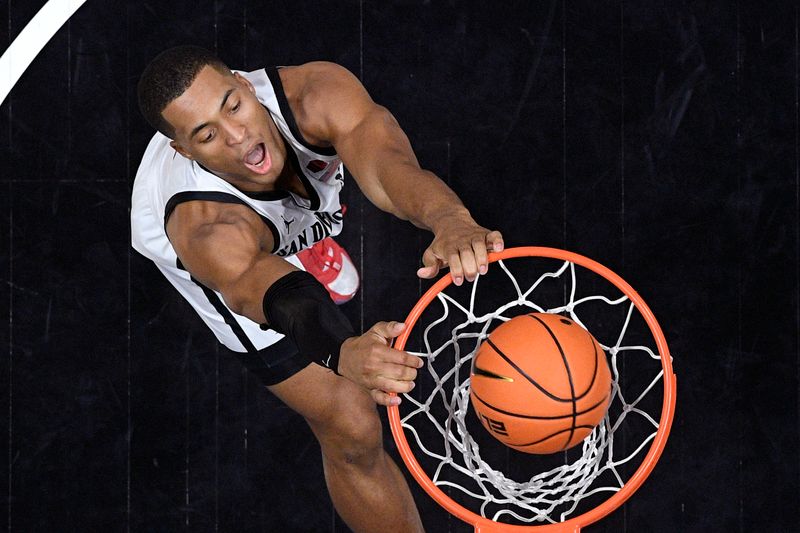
(220, 123)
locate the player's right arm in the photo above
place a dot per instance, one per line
(228, 248)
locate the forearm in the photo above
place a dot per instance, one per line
(379, 155)
(419, 196)
(298, 306)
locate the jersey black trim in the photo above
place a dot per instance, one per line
(267, 196)
(224, 197)
(228, 317)
(272, 74)
(313, 195)
(223, 311)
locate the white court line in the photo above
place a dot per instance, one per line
(38, 32)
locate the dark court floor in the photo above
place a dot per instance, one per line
(658, 138)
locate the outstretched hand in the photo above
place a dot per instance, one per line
(369, 361)
(461, 244)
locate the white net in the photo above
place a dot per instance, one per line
(482, 474)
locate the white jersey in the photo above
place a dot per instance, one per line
(165, 179)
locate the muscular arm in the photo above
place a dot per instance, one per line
(227, 248)
(336, 108)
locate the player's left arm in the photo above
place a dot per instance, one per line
(379, 155)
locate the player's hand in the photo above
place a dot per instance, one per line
(369, 361)
(461, 244)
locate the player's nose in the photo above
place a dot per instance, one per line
(235, 134)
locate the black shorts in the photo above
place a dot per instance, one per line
(274, 363)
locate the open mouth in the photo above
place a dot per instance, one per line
(257, 159)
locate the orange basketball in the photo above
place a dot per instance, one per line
(540, 383)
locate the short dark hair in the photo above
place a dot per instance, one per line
(167, 77)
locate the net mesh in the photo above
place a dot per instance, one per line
(534, 489)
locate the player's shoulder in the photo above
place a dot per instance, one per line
(323, 95)
(148, 185)
(316, 72)
(155, 152)
(310, 84)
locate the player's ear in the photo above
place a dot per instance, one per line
(244, 82)
(180, 149)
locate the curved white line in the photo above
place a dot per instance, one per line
(21, 53)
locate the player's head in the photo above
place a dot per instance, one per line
(167, 77)
(212, 116)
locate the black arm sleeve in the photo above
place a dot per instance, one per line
(298, 306)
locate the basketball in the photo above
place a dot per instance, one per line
(540, 383)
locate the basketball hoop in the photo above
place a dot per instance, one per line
(447, 453)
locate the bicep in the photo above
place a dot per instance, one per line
(229, 254)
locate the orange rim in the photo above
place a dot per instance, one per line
(656, 447)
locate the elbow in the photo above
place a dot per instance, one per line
(234, 304)
(238, 303)
(387, 206)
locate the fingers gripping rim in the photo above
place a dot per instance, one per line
(667, 410)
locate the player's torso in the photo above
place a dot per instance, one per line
(296, 218)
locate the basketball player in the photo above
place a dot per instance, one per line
(236, 200)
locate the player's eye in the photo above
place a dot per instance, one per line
(207, 137)
(235, 108)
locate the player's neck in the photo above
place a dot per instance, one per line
(290, 181)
